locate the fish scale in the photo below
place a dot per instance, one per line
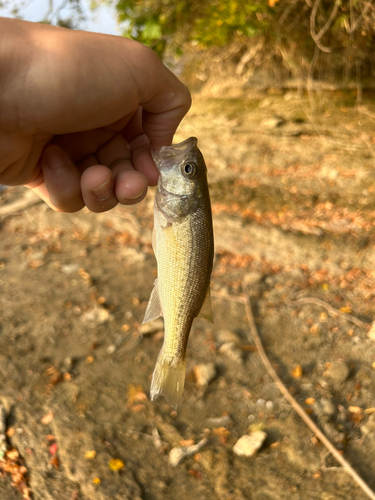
(183, 246)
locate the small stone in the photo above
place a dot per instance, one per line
(269, 405)
(152, 327)
(218, 421)
(337, 371)
(273, 122)
(371, 332)
(230, 350)
(204, 373)
(68, 363)
(324, 407)
(178, 454)
(96, 316)
(253, 278)
(227, 336)
(369, 426)
(69, 268)
(249, 444)
(111, 349)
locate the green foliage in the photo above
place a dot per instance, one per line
(208, 22)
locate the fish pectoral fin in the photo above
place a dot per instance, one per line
(206, 309)
(153, 309)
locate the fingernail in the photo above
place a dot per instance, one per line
(54, 158)
(135, 197)
(104, 191)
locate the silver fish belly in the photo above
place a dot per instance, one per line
(183, 245)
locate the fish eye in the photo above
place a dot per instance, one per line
(189, 170)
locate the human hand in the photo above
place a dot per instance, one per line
(78, 112)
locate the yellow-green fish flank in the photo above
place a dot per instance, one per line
(183, 246)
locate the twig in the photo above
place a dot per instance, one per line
(19, 205)
(317, 36)
(284, 391)
(355, 24)
(331, 310)
(225, 296)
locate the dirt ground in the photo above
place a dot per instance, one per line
(293, 196)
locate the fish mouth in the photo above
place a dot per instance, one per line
(166, 156)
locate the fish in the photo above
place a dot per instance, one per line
(183, 244)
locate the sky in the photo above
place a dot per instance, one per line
(102, 20)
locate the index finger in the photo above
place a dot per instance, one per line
(164, 98)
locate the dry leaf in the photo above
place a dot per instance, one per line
(297, 371)
(346, 309)
(116, 464)
(136, 394)
(187, 442)
(47, 419)
(355, 409)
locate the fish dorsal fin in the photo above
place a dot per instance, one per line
(206, 309)
(153, 309)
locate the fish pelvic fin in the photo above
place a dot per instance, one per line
(154, 309)
(168, 379)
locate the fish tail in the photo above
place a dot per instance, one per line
(168, 379)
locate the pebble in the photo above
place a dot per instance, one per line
(69, 268)
(230, 350)
(337, 371)
(218, 421)
(261, 402)
(269, 405)
(252, 278)
(111, 349)
(178, 454)
(249, 444)
(96, 316)
(152, 327)
(68, 363)
(371, 332)
(273, 122)
(204, 373)
(227, 336)
(324, 407)
(369, 426)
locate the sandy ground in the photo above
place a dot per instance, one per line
(293, 198)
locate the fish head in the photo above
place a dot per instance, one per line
(183, 177)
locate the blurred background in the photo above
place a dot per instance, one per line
(283, 108)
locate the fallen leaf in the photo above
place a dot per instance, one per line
(346, 309)
(355, 409)
(47, 419)
(186, 442)
(297, 371)
(89, 455)
(116, 464)
(310, 401)
(53, 449)
(136, 394)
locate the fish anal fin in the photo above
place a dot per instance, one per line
(154, 309)
(168, 380)
(206, 309)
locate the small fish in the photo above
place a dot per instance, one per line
(183, 244)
